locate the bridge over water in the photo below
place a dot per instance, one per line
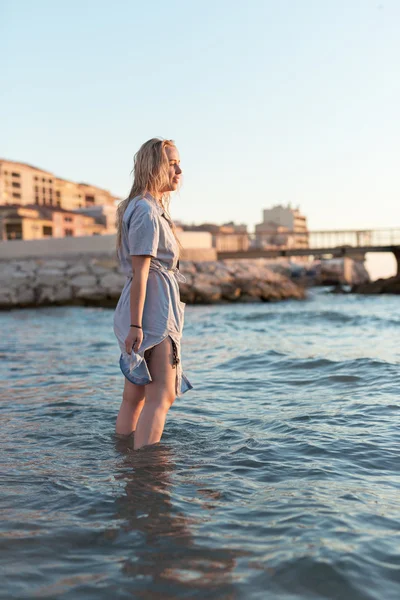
(320, 244)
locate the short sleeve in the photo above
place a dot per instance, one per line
(143, 232)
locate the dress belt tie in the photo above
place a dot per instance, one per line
(157, 267)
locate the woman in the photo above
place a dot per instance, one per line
(148, 320)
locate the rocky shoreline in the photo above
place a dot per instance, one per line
(97, 281)
(391, 285)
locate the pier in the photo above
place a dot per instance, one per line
(322, 244)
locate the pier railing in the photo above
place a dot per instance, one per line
(334, 243)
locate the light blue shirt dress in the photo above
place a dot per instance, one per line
(146, 230)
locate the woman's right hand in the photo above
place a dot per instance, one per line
(134, 340)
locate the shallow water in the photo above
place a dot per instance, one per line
(276, 477)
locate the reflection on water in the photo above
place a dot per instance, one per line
(276, 477)
(167, 555)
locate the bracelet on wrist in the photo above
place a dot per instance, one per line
(138, 326)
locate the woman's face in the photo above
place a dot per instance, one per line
(174, 169)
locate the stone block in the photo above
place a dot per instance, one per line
(49, 277)
(78, 268)
(90, 293)
(56, 264)
(230, 291)
(113, 281)
(27, 266)
(83, 281)
(106, 263)
(45, 295)
(248, 299)
(207, 293)
(7, 298)
(63, 294)
(26, 295)
(17, 280)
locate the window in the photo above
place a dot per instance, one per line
(16, 184)
(47, 230)
(58, 194)
(43, 179)
(50, 181)
(89, 200)
(44, 190)
(15, 195)
(36, 199)
(13, 231)
(58, 203)
(68, 219)
(68, 232)
(15, 174)
(51, 201)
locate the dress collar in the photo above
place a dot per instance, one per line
(155, 202)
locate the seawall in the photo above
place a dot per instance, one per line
(97, 281)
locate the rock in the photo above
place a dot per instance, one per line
(27, 266)
(7, 298)
(113, 281)
(6, 272)
(99, 270)
(230, 291)
(103, 265)
(49, 277)
(56, 264)
(203, 279)
(186, 293)
(63, 294)
(187, 267)
(83, 281)
(247, 298)
(223, 274)
(77, 269)
(18, 279)
(90, 293)
(45, 295)
(391, 285)
(25, 296)
(205, 290)
(268, 292)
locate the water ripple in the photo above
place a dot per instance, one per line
(277, 476)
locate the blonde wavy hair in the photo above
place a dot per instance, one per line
(150, 174)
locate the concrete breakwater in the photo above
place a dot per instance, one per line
(97, 281)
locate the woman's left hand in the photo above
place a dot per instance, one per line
(134, 340)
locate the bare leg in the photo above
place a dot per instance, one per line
(160, 395)
(131, 407)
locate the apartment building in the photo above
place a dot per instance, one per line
(227, 237)
(282, 226)
(27, 186)
(38, 222)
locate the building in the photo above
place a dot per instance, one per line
(27, 186)
(38, 222)
(282, 226)
(227, 237)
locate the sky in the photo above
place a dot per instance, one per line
(269, 102)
